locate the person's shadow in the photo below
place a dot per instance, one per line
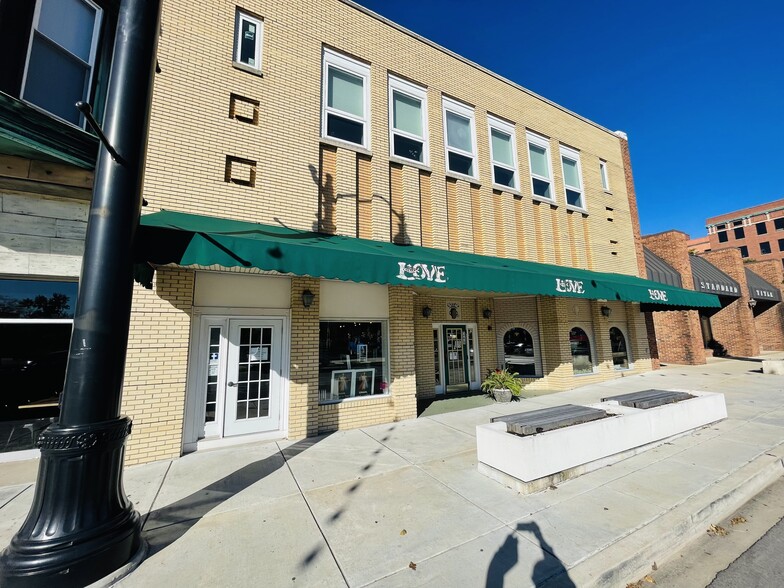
(548, 571)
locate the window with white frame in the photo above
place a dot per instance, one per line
(503, 152)
(408, 121)
(605, 177)
(346, 92)
(541, 172)
(459, 138)
(248, 35)
(61, 56)
(573, 181)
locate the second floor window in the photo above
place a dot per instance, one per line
(503, 152)
(61, 56)
(541, 175)
(346, 109)
(459, 138)
(408, 120)
(739, 233)
(603, 173)
(573, 184)
(247, 47)
(722, 236)
(762, 228)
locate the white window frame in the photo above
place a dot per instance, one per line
(90, 63)
(241, 16)
(418, 93)
(605, 176)
(494, 123)
(573, 155)
(341, 62)
(544, 143)
(465, 111)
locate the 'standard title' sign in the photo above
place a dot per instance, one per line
(421, 271)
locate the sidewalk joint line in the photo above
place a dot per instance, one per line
(157, 493)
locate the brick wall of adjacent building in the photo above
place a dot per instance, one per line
(761, 215)
(733, 325)
(676, 334)
(769, 324)
(156, 366)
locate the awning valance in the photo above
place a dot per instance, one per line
(194, 240)
(761, 289)
(710, 279)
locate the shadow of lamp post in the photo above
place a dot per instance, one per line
(81, 526)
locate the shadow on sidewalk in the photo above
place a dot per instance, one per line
(548, 572)
(166, 525)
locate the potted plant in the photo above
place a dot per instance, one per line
(502, 385)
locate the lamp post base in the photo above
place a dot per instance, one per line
(81, 526)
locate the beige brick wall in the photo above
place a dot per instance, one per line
(192, 134)
(156, 366)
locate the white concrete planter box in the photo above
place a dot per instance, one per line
(773, 366)
(570, 451)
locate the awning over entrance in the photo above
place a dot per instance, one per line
(659, 270)
(760, 289)
(710, 279)
(193, 240)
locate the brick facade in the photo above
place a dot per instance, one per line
(759, 230)
(676, 334)
(769, 324)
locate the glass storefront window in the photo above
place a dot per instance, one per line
(581, 351)
(352, 360)
(519, 352)
(618, 345)
(35, 333)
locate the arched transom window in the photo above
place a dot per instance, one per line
(619, 353)
(519, 354)
(581, 351)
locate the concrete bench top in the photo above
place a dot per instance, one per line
(548, 419)
(649, 398)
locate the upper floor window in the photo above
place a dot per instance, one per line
(764, 247)
(541, 173)
(460, 138)
(744, 251)
(740, 233)
(503, 153)
(779, 223)
(605, 177)
(247, 44)
(573, 182)
(408, 121)
(762, 228)
(723, 238)
(61, 56)
(346, 110)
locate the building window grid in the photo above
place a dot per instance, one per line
(541, 167)
(338, 121)
(457, 137)
(503, 157)
(402, 135)
(573, 178)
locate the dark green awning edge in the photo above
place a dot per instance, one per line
(193, 240)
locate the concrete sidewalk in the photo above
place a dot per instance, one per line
(404, 505)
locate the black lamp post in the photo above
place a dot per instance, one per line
(81, 526)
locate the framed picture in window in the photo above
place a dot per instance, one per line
(362, 352)
(342, 384)
(363, 381)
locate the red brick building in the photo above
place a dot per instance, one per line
(758, 231)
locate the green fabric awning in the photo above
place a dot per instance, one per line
(193, 240)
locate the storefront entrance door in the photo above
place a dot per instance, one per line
(456, 357)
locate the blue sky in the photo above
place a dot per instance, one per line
(697, 85)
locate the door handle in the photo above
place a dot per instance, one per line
(232, 384)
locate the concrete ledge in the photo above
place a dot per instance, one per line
(773, 366)
(566, 450)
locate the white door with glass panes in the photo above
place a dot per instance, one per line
(243, 383)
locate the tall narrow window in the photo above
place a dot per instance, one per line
(620, 355)
(459, 138)
(346, 109)
(408, 121)
(573, 183)
(248, 37)
(61, 57)
(541, 174)
(605, 177)
(503, 152)
(581, 351)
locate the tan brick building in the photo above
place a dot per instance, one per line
(343, 218)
